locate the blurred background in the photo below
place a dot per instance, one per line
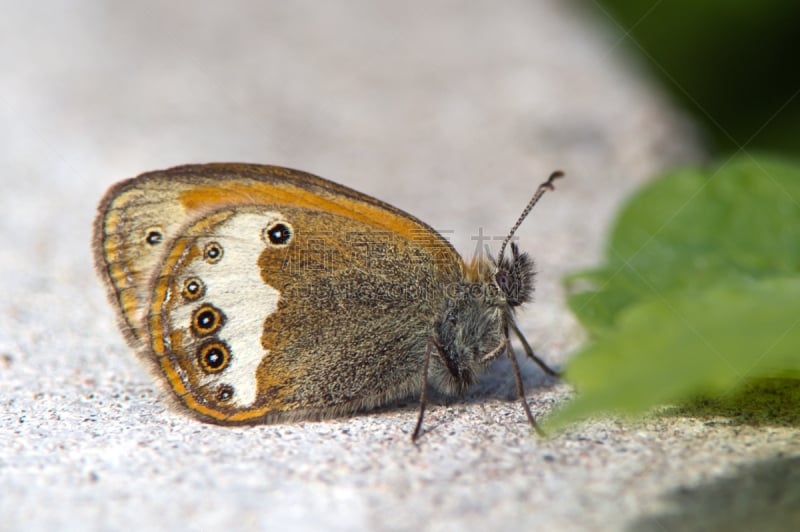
(452, 111)
(731, 64)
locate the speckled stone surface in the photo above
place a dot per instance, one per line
(453, 111)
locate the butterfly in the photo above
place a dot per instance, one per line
(262, 294)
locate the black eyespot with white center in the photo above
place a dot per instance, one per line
(212, 253)
(153, 236)
(213, 357)
(193, 289)
(224, 393)
(207, 320)
(278, 234)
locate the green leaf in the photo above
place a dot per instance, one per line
(692, 229)
(674, 348)
(700, 293)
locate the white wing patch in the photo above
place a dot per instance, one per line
(233, 284)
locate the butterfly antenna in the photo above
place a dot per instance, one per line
(544, 187)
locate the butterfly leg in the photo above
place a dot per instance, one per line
(423, 400)
(529, 351)
(521, 389)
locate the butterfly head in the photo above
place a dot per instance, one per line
(471, 329)
(514, 277)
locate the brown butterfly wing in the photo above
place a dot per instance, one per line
(138, 218)
(334, 320)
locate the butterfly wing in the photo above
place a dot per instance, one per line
(270, 293)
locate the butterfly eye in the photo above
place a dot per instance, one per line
(278, 234)
(214, 357)
(503, 281)
(153, 236)
(212, 252)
